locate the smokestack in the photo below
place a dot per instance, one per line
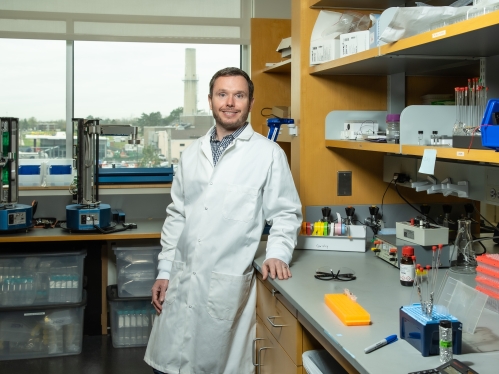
(190, 83)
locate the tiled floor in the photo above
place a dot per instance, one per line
(97, 357)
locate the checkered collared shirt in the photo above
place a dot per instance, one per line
(219, 146)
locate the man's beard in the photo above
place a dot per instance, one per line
(229, 126)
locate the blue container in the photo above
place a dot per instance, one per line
(60, 169)
(490, 125)
(423, 334)
(29, 170)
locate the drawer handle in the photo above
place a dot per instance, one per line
(253, 351)
(271, 321)
(260, 358)
(274, 292)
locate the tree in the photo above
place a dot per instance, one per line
(152, 119)
(174, 116)
(149, 157)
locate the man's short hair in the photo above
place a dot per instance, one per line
(232, 72)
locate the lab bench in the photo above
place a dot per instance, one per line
(379, 292)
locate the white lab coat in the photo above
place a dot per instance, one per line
(209, 239)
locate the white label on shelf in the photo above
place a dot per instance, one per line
(460, 154)
(438, 34)
(34, 314)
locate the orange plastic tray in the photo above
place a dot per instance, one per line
(347, 310)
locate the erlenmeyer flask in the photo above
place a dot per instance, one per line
(463, 259)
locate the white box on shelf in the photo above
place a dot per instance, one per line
(285, 47)
(324, 45)
(354, 42)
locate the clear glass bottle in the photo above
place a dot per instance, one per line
(420, 137)
(393, 128)
(445, 338)
(463, 258)
(434, 138)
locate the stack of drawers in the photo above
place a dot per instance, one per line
(131, 312)
(41, 304)
(281, 339)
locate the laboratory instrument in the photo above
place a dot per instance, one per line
(420, 231)
(13, 216)
(422, 332)
(454, 366)
(274, 125)
(389, 249)
(89, 214)
(463, 258)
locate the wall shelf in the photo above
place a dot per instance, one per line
(361, 145)
(283, 67)
(370, 4)
(459, 154)
(451, 50)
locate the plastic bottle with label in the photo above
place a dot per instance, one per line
(393, 128)
(445, 335)
(407, 266)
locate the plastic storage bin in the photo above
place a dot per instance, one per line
(29, 175)
(41, 331)
(59, 175)
(41, 278)
(131, 319)
(136, 268)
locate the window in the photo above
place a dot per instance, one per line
(161, 88)
(33, 81)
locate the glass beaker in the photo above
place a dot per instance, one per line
(465, 260)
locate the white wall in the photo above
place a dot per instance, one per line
(272, 9)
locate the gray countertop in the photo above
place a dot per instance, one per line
(380, 293)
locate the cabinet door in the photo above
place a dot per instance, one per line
(273, 359)
(280, 322)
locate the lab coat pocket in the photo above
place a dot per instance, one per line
(239, 203)
(228, 295)
(176, 273)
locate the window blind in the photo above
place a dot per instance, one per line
(172, 21)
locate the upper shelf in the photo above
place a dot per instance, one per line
(283, 67)
(371, 4)
(461, 154)
(363, 146)
(450, 50)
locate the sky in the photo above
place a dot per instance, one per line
(112, 79)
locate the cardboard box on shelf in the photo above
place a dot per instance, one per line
(285, 47)
(281, 111)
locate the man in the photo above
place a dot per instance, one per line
(227, 184)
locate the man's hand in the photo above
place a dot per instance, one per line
(158, 293)
(274, 267)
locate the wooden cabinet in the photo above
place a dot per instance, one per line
(432, 62)
(282, 334)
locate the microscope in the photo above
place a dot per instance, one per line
(13, 216)
(89, 214)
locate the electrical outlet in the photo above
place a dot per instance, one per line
(344, 183)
